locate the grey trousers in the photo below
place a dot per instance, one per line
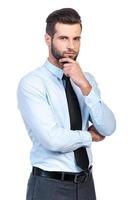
(41, 188)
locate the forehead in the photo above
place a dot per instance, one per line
(70, 30)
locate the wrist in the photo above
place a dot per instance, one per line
(85, 88)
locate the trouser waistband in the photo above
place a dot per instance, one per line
(64, 176)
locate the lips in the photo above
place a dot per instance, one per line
(69, 53)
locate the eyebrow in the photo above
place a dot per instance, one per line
(61, 36)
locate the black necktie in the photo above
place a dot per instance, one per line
(75, 122)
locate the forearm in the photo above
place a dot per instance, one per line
(55, 138)
(62, 140)
(43, 126)
(102, 117)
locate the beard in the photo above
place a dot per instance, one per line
(58, 54)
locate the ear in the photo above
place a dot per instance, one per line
(48, 39)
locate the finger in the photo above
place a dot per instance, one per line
(101, 138)
(66, 60)
(98, 137)
(67, 68)
(92, 128)
(67, 65)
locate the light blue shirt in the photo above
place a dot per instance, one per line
(43, 106)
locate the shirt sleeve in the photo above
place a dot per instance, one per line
(101, 116)
(40, 120)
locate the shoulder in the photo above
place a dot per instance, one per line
(34, 80)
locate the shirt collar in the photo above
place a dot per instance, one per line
(58, 72)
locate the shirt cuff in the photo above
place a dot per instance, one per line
(92, 99)
(86, 138)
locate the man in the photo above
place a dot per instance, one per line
(58, 101)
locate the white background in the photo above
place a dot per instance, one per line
(107, 51)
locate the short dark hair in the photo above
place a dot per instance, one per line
(65, 16)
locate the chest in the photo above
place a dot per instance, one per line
(56, 97)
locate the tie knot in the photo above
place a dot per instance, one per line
(66, 78)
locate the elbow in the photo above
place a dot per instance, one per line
(112, 127)
(108, 131)
(54, 146)
(109, 125)
(51, 143)
(51, 139)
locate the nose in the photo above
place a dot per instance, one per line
(70, 44)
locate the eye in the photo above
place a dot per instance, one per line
(63, 38)
(77, 39)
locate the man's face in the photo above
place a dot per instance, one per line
(66, 41)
